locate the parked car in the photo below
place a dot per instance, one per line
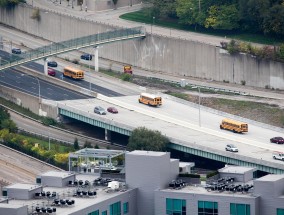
(231, 148)
(16, 51)
(112, 110)
(278, 140)
(99, 110)
(52, 63)
(86, 56)
(278, 156)
(51, 72)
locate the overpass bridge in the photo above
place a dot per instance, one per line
(193, 141)
(71, 45)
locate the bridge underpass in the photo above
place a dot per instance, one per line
(176, 144)
(72, 45)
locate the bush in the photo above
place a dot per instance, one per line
(126, 77)
(36, 14)
(75, 61)
(243, 82)
(211, 174)
(233, 47)
(188, 175)
(48, 121)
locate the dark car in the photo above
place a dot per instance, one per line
(86, 57)
(99, 110)
(52, 63)
(112, 110)
(51, 72)
(278, 140)
(16, 51)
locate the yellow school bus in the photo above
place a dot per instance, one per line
(73, 73)
(235, 126)
(150, 99)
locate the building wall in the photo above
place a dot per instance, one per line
(193, 198)
(147, 173)
(271, 195)
(175, 56)
(23, 194)
(237, 177)
(22, 210)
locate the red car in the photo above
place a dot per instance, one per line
(51, 72)
(112, 110)
(278, 140)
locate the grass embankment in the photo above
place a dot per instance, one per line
(143, 16)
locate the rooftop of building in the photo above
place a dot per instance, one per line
(60, 174)
(147, 153)
(235, 169)
(23, 186)
(271, 177)
(102, 194)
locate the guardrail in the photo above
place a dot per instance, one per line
(215, 89)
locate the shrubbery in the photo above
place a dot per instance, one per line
(265, 52)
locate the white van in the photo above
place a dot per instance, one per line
(278, 155)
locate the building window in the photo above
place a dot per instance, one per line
(115, 209)
(207, 208)
(97, 212)
(280, 211)
(4, 193)
(239, 209)
(175, 207)
(104, 213)
(125, 208)
(38, 180)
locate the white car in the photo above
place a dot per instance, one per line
(231, 148)
(99, 110)
(278, 156)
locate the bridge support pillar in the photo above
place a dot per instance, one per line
(45, 67)
(107, 135)
(96, 54)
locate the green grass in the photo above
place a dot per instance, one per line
(143, 16)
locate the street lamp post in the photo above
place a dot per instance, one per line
(38, 88)
(153, 21)
(199, 114)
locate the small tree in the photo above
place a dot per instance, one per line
(76, 144)
(36, 14)
(145, 139)
(87, 145)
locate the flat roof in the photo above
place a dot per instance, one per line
(23, 186)
(59, 174)
(200, 189)
(185, 164)
(97, 153)
(271, 177)
(147, 153)
(235, 169)
(67, 193)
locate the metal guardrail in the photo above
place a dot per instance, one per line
(215, 89)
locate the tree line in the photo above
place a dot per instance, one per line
(255, 16)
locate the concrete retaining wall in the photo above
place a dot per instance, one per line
(155, 52)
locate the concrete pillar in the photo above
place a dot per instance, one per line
(96, 55)
(107, 135)
(45, 67)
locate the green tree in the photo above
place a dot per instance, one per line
(224, 17)
(9, 124)
(4, 114)
(87, 145)
(10, 3)
(145, 139)
(76, 144)
(273, 21)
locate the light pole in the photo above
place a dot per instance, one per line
(90, 75)
(153, 21)
(199, 115)
(38, 88)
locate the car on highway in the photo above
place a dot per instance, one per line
(278, 156)
(231, 148)
(52, 63)
(278, 140)
(99, 110)
(86, 56)
(112, 110)
(16, 51)
(51, 72)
